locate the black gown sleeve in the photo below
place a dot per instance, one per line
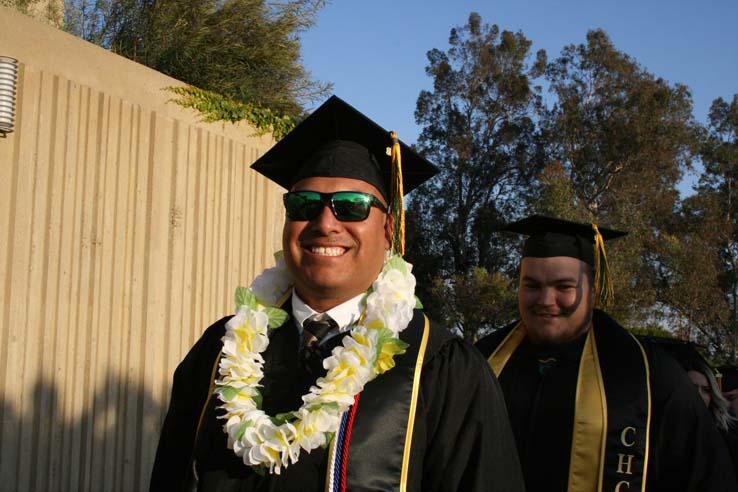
(469, 443)
(189, 393)
(688, 452)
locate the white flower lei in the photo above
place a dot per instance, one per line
(267, 442)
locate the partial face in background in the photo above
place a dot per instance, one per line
(732, 397)
(702, 385)
(555, 298)
(333, 261)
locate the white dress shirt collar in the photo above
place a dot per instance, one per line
(345, 314)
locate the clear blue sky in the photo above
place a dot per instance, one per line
(374, 51)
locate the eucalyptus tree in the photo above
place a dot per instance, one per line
(623, 138)
(701, 278)
(478, 126)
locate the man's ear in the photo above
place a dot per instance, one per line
(389, 227)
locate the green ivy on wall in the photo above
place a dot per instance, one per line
(215, 107)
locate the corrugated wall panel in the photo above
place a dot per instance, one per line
(125, 226)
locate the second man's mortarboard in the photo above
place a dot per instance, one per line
(551, 236)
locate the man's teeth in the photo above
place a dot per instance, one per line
(319, 250)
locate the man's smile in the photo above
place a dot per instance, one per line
(327, 251)
(547, 315)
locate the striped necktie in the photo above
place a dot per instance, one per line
(313, 330)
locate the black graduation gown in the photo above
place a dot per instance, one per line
(686, 452)
(731, 440)
(461, 440)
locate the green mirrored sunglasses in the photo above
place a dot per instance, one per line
(347, 206)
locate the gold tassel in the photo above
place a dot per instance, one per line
(604, 292)
(397, 198)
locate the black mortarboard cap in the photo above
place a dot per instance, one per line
(687, 354)
(336, 140)
(550, 236)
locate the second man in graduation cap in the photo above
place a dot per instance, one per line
(329, 377)
(591, 407)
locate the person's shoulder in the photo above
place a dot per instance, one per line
(669, 380)
(487, 344)
(214, 333)
(664, 369)
(448, 349)
(441, 342)
(207, 346)
(439, 334)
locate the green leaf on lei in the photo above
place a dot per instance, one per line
(244, 297)
(258, 399)
(260, 470)
(396, 263)
(330, 405)
(386, 336)
(228, 392)
(277, 317)
(328, 439)
(281, 418)
(418, 304)
(387, 347)
(242, 429)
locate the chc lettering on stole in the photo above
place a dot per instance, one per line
(625, 460)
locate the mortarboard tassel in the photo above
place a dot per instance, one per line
(604, 292)
(397, 197)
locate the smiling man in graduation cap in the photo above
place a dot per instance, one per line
(329, 376)
(592, 408)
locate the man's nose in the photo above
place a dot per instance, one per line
(547, 296)
(325, 220)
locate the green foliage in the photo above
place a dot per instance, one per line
(557, 197)
(688, 279)
(478, 127)
(474, 302)
(699, 272)
(616, 128)
(720, 154)
(623, 137)
(21, 6)
(245, 50)
(215, 107)
(46, 11)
